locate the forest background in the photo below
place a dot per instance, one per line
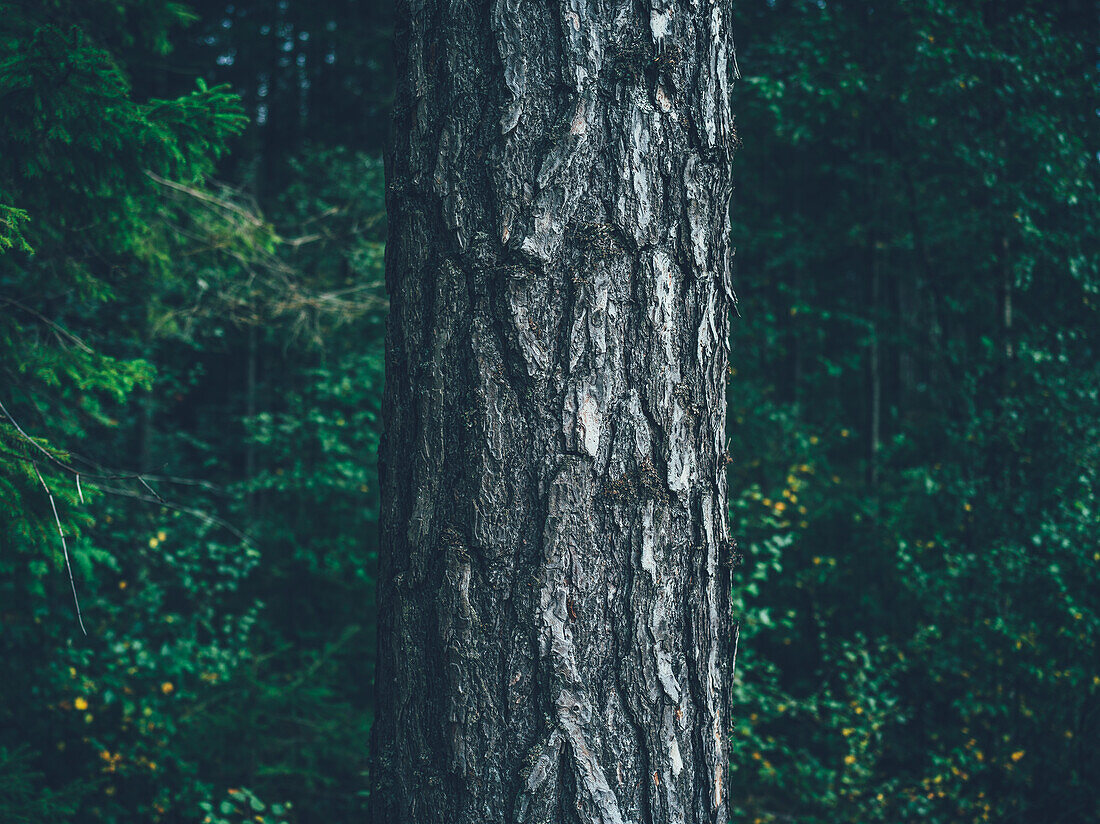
(191, 271)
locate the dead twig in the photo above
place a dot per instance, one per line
(64, 548)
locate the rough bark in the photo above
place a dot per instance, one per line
(555, 637)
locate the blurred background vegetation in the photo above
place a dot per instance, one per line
(191, 242)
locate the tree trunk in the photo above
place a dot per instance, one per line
(555, 638)
(874, 364)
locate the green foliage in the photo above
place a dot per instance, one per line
(11, 229)
(23, 798)
(915, 452)
(188, 686)
(112, 196)
(242, 806)
(76, 154)
(115, 711)
(312, 498)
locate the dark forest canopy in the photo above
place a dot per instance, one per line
(191, 239)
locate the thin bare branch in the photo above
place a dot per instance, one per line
(57, 328)
(206, 197)
(64, 548)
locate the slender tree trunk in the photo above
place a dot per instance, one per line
(555, 637)
(1006, 298)
(874, 366)
(251, 389)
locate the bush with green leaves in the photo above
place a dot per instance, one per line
(914, 427)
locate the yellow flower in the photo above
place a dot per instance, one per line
(844, 433)
(780, 506)
(813, 439)
(817, 560)
(167, 687)
(153, 542)
(122, 585)
(162, 535)
(81, 703)
(849, 759)
(1016, 756)
(847, 731)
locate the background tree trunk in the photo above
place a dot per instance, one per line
(554, 629)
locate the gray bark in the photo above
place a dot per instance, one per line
(555, 638)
